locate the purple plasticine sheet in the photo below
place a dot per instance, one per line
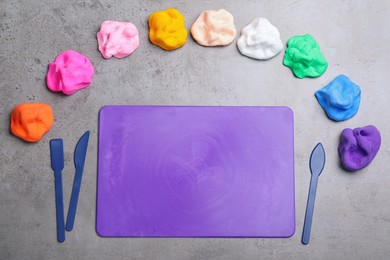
(175, 171)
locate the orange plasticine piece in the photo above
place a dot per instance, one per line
(30, 121)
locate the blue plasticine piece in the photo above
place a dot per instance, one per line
(340, 98)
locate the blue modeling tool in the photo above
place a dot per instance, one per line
(317, 163)
(79, 159)
(57, 164)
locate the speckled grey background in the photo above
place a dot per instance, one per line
(352, 211)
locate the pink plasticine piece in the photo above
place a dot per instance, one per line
(70, 72)
(118, 39)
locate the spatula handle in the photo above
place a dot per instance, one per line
(309, 209)
(59, 208)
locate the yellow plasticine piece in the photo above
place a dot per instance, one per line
(167, 30)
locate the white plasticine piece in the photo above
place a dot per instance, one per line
(260, 40)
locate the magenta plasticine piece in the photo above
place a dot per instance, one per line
(166, 171)
(358, 147)
(70, 72)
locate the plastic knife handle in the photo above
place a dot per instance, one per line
(73, 201)
(309, 209)
(59, 208)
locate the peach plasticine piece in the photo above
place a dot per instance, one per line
(214, 28)
(31, 121)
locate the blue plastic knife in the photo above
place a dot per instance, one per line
(79, 159)
(57, 164)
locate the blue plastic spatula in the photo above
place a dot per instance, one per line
(57, 163)
(79, 159)
(317, 163)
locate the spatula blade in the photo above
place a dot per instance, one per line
(57, 154)
(317, 160)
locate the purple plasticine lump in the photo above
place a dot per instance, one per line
(358, 147)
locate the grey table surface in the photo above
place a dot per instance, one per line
(352, 211)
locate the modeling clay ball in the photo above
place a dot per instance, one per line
(214, 28)
(166, 29)
(340, 98)
(358, 147)
(30, 121)
(70, 72)
(304, 58)
(260, 40)
(118, 39)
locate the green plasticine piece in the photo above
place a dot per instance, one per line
(304, 58)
